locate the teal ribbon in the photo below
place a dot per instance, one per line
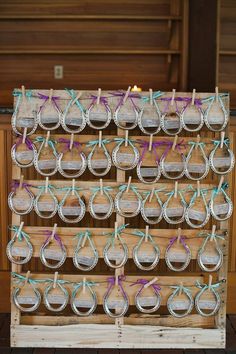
(69, 189)
(120, 229)
(212, 98)
(94, 143)
(196, 144)
(98, 189)
(72, 94)
(143, 235)
(18, 94)
(156, 94)
(87, 283)
(21, 235)
(204, 287)
(123, 188)
(218, 142)
(178, 288)
(122, 140)
(50, 187)
(203, 193)
(21, 278)
(51, 143)
(208, 236)
(28, 93)
(170, 194)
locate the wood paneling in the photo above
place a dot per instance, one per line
(88, 71)
(202, 45)
(90, 8)
(226, 55)
(104, 43)
(88, 36)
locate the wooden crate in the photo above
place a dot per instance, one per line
(135, 330)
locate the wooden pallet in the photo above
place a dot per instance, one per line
(135, 330)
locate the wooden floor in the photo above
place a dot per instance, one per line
(5, 343)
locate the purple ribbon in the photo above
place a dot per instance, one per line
(172, 241)
(67, 144)
(28, 142)
(103, 100)
(111, 281)
(186, 100)
(179, 146)
(145, 146)
(122, 95)
(56, 237)
(143, 282)
(46, 98)
(16, 184)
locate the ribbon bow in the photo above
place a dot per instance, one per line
(143, 282)
(20, 235)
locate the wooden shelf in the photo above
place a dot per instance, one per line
(227, 52)
(95, 51)
(90, 17)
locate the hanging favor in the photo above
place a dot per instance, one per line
(45, 161)
(56, 296)
(174, 207)
(128, 201)
(196, 164)
(71, 161)
(115, 252)
(49, 112)
(24, 116)
(171, 122)
(19, 249)
(192, 117)
(72, 208)
(150, 115)
(23, 152)
(207, 300)
(175, 168)
(85, 256)
(73, 118)
(197, 213)
(22, 296)
(152, 301)
(98, 115)
(21, 199)
(180, 303)
(216, 116)
(152, 208)
(221, 158)
(83, 297)
(149, 174)
(178, 254)
(57, 255)
(146, 253)
(118, 306)
(210, 255)
(99, 160)
(126, 112)
(46, 203)
(125, 155)
(101, 202)
(220, 205)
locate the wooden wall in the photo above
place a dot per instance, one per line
(100, 43)
(226, 51)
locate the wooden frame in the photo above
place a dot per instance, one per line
(136, 330)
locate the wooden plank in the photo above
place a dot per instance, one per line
(193, 321)
(90, 336)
